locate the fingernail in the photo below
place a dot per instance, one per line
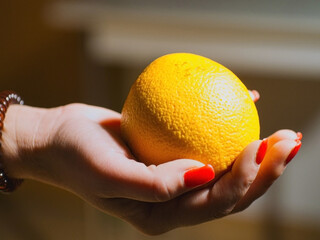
(256, 95)
(293, 152)
(198, 176)
(299, 136)
(262, 151)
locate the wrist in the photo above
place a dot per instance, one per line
(22, 136)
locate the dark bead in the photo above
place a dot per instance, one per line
(3, 108)
(4, 102)
(3, 181)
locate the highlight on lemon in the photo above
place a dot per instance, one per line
(188, 106)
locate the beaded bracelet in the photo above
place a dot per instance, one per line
(6, 98)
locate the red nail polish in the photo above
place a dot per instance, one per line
(262, 151)
(256, 95)
(299, 136)
(198, 176)
(293, 152)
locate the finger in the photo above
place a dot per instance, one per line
(254, 94)
(194, 207)
(134, 180)
(282, 135)
(116, 175)
(212, 201)
(169, 180)
(231, 187)
(271, 168)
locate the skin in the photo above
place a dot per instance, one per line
(79, 148)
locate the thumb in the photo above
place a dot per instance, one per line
(183, 175)
(163, 182)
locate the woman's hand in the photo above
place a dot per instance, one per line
(79, 148)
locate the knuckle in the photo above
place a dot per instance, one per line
(245, 184)
(224, 204)
(230, 197)
(241, 188)
(242, 183)
(161, 191)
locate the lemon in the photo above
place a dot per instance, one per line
(187, 106)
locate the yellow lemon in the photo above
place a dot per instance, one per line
(188, 106)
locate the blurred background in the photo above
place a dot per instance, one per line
(57, 52)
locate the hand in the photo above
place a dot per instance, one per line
(79, 148)
(231, 193)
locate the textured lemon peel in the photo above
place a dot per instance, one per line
(188, 106)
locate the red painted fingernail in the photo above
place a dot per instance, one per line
(262, 151)
(256, 95)
(293, 152)
(299, 136)
(198, 176)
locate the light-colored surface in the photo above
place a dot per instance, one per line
(287, 44)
